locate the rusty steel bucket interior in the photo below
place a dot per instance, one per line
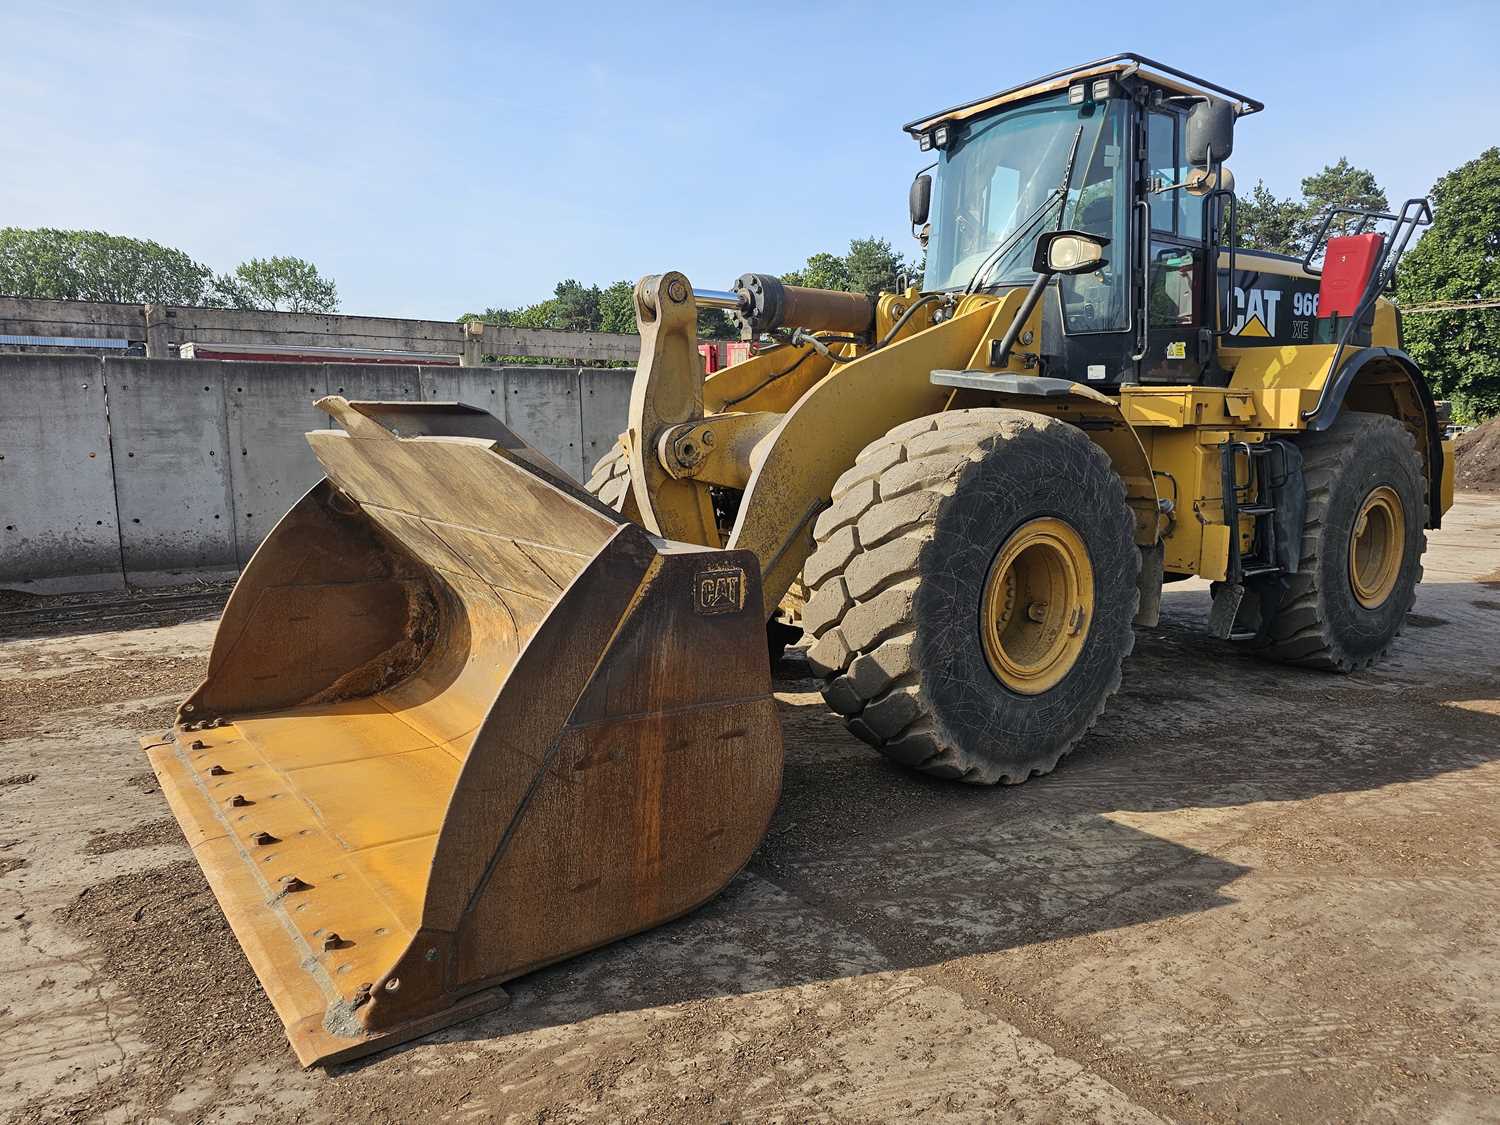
(461, 721)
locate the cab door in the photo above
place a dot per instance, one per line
(1091, 337)
(1179, 341)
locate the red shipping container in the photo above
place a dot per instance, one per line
(1347, 266)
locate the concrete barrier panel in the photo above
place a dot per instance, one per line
(269, 410)
(374, 382)
(57, 505)
(605, 405)
(483, 387)
(194, 461)
(541, 404)
(171, 456)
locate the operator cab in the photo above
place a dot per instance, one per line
(1125, 150)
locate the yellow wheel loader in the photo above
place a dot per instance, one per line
(464, 718)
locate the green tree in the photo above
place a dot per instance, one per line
(872, 266)
(489, 316)
(1458, 259)
(540, 315)
(822, 271)
(282, 283)
(617, 307)
(716, 324)
(1265, 222)
(543, 314)
(89, 265)
(1337, 185)
(577, 306)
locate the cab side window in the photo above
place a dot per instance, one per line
(1176, 227)
(1161, 156)
(1174, 285)
(1175, 212)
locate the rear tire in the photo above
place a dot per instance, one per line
(907, 560)
(610, 482)
(1366, 495)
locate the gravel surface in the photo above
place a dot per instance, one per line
(1252, 894)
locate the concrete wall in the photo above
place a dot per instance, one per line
(57, 485)
(162, 328)
(146, 472)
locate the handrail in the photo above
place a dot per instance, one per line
(1224, 305)
(1414, 213)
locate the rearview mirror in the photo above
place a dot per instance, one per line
(920, 199)
(1201, 181)
(1069, 252)
(1210, 132)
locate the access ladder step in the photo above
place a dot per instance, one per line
(1225, 609)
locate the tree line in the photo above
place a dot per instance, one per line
(1456, 262)
(89, 265)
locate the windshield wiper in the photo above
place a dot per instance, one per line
(997, 254)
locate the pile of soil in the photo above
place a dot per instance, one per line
(1477, 458)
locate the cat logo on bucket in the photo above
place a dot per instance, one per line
(1255, 312)
(721, 590)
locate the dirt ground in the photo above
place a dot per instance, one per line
(1477, 458)
(1252, 894)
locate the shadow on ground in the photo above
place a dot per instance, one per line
(868, 867)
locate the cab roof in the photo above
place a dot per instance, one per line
(1124, 65)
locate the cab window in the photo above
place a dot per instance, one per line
(1098, 204)
(1174, 285)
(1001, 202)
(1177, 211)
(1175, 267)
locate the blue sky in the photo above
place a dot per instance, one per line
(436, 159)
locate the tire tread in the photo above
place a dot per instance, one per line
(870, 544)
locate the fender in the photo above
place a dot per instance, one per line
(1130, 458)
(1331, 402)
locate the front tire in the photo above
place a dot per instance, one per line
(1362, 545)
(972, 590)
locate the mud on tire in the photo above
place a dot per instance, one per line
(896, 583)
(1320, 622)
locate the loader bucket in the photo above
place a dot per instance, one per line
(462, 721)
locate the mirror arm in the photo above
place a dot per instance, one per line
(1008, 341)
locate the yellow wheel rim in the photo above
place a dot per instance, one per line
(1037, 605)
(1376, 545)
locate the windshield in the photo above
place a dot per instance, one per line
(1000, 184)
